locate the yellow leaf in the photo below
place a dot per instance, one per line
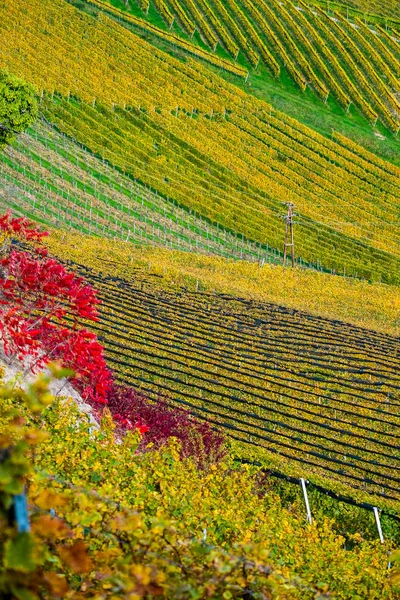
(48, 499)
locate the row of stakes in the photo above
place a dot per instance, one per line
(309, 517)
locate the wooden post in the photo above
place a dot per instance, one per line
(18, 511)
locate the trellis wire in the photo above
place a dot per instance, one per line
(334, 495)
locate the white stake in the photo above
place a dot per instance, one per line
(378, 524)
(303, 487)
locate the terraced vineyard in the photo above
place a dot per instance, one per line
(327, 52)
(157, 149)
(177, 41)
(170, 155)
(213, 183)
(314, 397)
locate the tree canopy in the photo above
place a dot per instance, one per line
(18, 106)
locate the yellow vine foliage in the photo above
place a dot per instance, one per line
(176, 40)
(321, 294)
(287, 32)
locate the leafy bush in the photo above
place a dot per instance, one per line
(156, 526)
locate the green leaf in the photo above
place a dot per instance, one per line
(5, 474)
(19, 553)
(395, 556)
(13, 487)
(91, 518)
(23, 594)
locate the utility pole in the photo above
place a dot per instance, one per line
(289, 233)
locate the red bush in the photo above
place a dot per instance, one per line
(37, 295)
(132, 409)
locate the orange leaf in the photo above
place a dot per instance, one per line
(76, 557)
(50, 527)
(56, 584)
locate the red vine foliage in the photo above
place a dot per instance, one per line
(38, 298)
(132, 409)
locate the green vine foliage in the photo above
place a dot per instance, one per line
(109, 522)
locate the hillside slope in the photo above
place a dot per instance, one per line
(205, 144)
(299, 367)
(314, 397)
(49, 177)
(157, 526)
